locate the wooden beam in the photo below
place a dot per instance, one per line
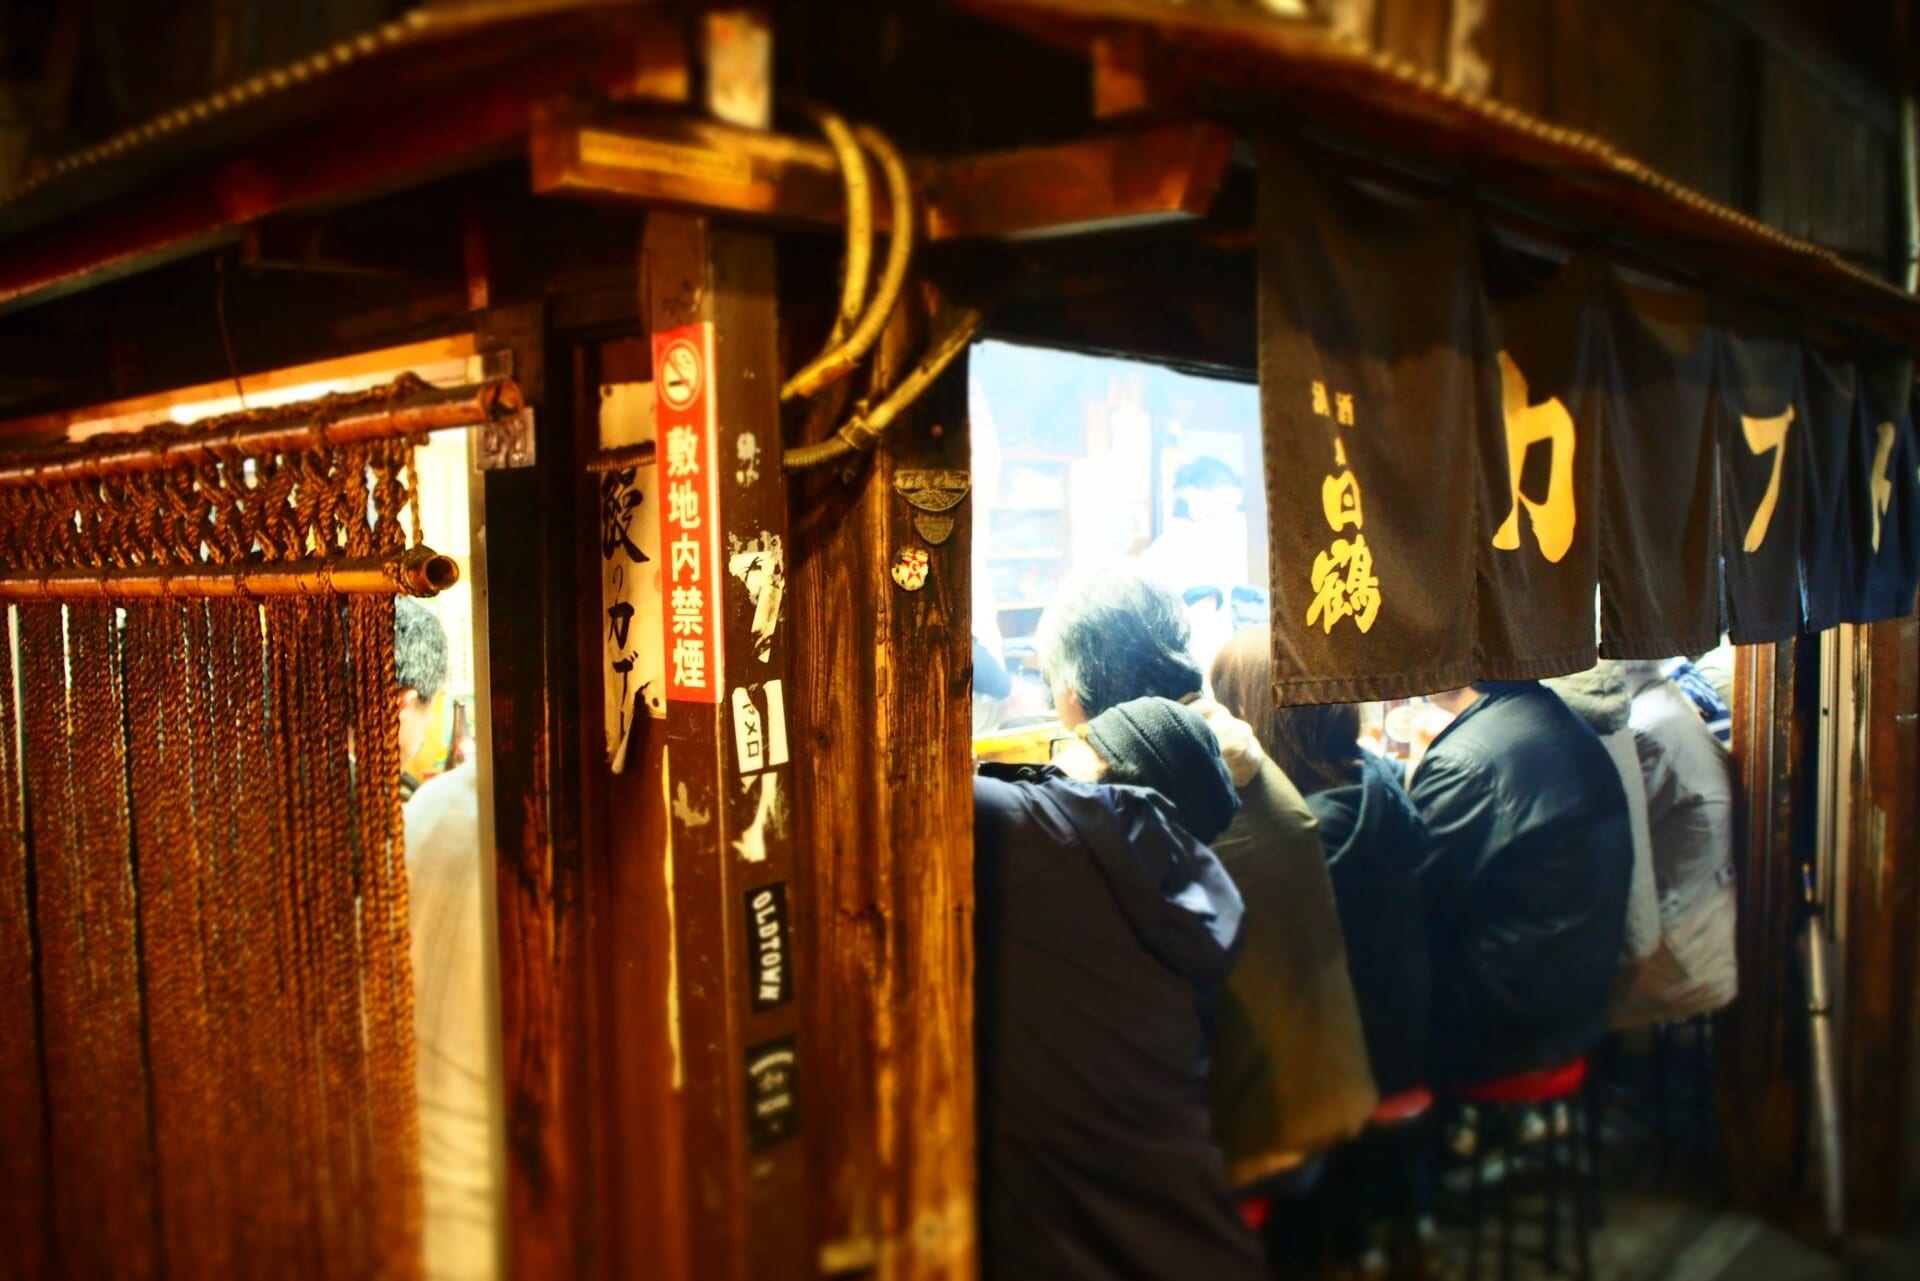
(708, 294)
(1170, 173)
(683, 162)
(1167, 173)
(882, 701)
(369, 144)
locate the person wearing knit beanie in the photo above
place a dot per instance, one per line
(1158, 743)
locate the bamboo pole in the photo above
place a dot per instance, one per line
(420, 571)
(435, 409)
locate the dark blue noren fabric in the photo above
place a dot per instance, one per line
(1540, 440)
(1827, 542)
(1659, 546)
(1761, 418)
(1886, 492)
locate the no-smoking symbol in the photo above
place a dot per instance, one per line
(680, 373)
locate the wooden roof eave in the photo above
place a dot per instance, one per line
(417, 99)
(1259, 66)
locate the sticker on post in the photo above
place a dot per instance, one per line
(759, 726)
(771, 978)
(760, 564)
(769, 816)
(773, 1093)
(634, 676)
(910, 568)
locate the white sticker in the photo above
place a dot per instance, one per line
(760, 563)
(759, 726)
(767, 816)
(747, 447)
(684, 811)
(632, 641)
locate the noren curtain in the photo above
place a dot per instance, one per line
(1468, 434)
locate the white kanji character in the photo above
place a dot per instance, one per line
(683, 451)
(683, 504)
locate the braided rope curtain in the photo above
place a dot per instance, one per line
(206, 1008)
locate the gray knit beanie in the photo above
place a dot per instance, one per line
(1158, 743)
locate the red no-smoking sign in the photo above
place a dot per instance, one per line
(685, 417)
(683, 371)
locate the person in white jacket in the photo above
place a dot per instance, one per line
(1690, 797)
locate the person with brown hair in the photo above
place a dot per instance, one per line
(1374, 841)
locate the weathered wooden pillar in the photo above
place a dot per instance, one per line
(524, 600)
(882, 733)
(1762, 1037)
(708, 298)
(1879, 955)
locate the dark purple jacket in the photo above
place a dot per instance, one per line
(1101, 925)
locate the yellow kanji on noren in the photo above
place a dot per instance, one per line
(1344, 586)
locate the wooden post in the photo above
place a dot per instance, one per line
(624, 827)
(1878, 964)
(709, 300)
(1762, 1036)
(524, 608)
(882, 703)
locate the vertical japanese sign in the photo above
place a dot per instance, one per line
(631, 596)
(689, 531)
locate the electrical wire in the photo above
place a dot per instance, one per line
(840, 359)
(863, 430)
(858, 188)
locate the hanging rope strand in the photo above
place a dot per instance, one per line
(212, 790)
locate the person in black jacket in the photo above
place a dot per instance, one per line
(1102, 924)
(1526, 886)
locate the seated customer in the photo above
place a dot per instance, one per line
(1101, 925)
(1600, 697)
(1374, 841)
(1526, 887)
(1689, 781)
(445, 922)
(1163, 745)
(1290, 1069)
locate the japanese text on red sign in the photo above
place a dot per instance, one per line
(684, 403)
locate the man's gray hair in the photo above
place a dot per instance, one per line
(419, 648)
(1115, 636)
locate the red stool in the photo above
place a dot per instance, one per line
(1508, 1102)
(1394, 1131)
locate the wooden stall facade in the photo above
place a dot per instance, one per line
(418, 185)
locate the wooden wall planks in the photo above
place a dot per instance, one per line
(883, 710)
(1761, 1038)
(1879, 963)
